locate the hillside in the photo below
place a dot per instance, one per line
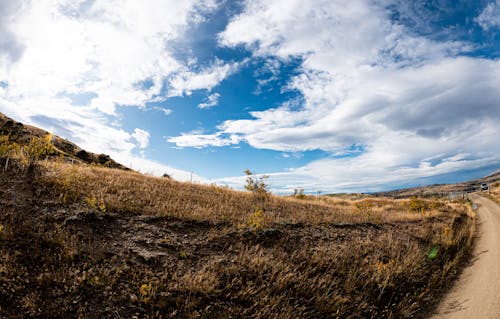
(22, 134)
(87, 241)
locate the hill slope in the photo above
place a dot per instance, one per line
(22, 134)
(83, 241)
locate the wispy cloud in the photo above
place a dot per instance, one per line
(199, 140)
(211, 101)
(490, 16)
(165, 111)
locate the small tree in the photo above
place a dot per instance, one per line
(256, 184)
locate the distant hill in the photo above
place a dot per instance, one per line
(442, 189)
(22, 134)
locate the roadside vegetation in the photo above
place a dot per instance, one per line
(493, 192)
(86, 241)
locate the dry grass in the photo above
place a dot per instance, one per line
(83, 241)
(135, 193)
(494, 192)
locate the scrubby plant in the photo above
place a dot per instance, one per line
(96, 202)
(8, 150)
(299, 193)
(256, 184)
(257, 220)
(417, 205)
(363, 207)
(38, 148)
(6, 147)
(146, 292)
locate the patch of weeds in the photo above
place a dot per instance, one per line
(96, 203)
(183, 255)
(257, 220)
(417, 205)
(433, 253)
(146, 292)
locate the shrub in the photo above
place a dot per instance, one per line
(417, 205)
(8, 149)
(38, 148)
(299, 193)
(257, 220)
(256, 184)
(363, 207)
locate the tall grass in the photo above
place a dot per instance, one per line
(131, 192)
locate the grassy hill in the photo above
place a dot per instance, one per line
(81, 240)
(22, 134)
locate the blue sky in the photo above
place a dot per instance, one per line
(336, 96)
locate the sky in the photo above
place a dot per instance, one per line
(325, 95)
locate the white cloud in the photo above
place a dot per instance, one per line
(141, 137)
(165, 111)
(365, 82)
(211, 101)
(187, 81)
(112, 52)
(490, 16)
(197, 140)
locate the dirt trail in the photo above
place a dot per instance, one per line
(477, 292)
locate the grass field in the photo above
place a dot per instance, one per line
(83, 241)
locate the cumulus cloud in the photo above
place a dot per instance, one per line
(365, 81)
(10, 48)
(211, 101)
(187, 81)
(141, 137)
(490, 16)
(108, 53)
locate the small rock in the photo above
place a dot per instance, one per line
(133, 298)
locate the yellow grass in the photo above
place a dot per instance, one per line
(131, 192)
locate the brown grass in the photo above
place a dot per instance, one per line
(493, 192)
(81, 241)
(135, 193)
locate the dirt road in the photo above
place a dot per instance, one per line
(476, 294)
